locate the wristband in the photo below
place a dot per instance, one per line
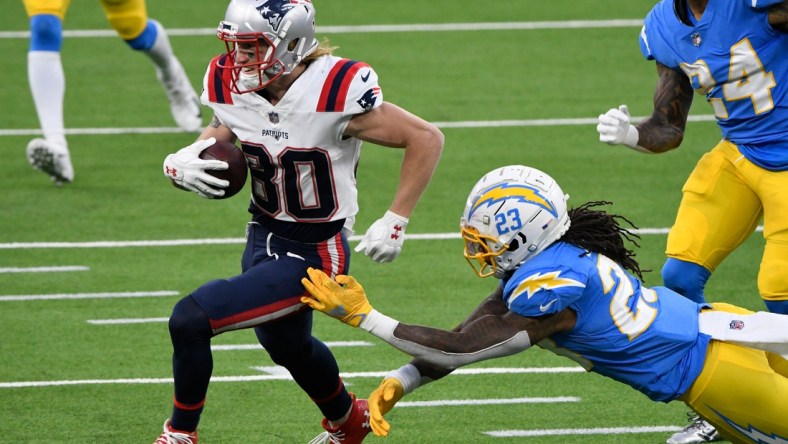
(631, 140)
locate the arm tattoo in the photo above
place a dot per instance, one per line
(664, 129)
(215, 122)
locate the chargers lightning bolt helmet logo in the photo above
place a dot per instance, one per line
(506, 191)
(511, 214)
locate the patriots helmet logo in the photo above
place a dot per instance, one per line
(367, 101)
(274, 10)
(518, 191)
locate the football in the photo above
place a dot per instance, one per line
(236, 172)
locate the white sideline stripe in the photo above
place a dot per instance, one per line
(569, 24)
(598, 431)
(238, 240)
(43, 269)
(458, 124)
(455, 402)
(46, 297)
(281, 377)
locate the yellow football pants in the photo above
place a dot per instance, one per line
(127, 17)
(741, 391)
(723, 201)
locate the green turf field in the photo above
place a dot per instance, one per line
(97, 369)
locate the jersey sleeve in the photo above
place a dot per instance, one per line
(364, 93)
(539, 292)
(351, 87)
(656, 36)
(215, 87)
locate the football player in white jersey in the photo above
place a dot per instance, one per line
(300, 115)
(130, 20)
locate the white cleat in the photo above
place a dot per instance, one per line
(184, 101)
(696, 432)
(52, 159)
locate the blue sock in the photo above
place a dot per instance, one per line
(685, 278)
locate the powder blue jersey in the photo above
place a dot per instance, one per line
(646, 338)
(738, 62)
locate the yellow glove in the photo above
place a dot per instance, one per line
(342, 298)
(381, 401)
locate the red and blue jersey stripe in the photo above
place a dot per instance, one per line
(335, 88)
(219, 80)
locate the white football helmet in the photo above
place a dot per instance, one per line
(279, 32)
(512, 214)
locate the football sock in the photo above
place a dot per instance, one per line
(685, 278)
(780, 307)
(48, 86)
(192, 362)
(160, 52)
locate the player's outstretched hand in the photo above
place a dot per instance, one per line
(341, 298)
(188, 171)
(381, 401)
(383, 240)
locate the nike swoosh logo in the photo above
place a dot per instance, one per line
(543, 308)
(366, 77)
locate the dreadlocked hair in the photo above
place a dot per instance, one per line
(601, 232)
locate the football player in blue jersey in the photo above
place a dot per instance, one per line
(569, 284)
(130, 20)
(733, 52)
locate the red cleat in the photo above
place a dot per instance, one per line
(352, 431)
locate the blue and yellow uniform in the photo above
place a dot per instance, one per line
(129, 18)
(735, 60)
(648, 338)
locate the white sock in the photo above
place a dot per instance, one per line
(162, 56)
(48, 86)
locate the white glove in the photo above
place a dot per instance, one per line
(187, 170)
(383, 241)
(614, 128)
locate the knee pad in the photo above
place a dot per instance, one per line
(189, 321)
(685, 278)
(46, 33)
(129, 19)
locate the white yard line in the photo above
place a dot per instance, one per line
(278, 376)
(597, 431)
(44, 269)
(364, 29)
(239, 240)
(61, 296)
(458, 124)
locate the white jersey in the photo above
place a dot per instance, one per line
(301, 168)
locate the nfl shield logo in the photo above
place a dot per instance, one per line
(696, 40)
(273, 117)
(736, 325)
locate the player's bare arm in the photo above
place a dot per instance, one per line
(391, 126)
(217, 130)
(487, 337)
(492, 305)
(778, 17)
(664, 129)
